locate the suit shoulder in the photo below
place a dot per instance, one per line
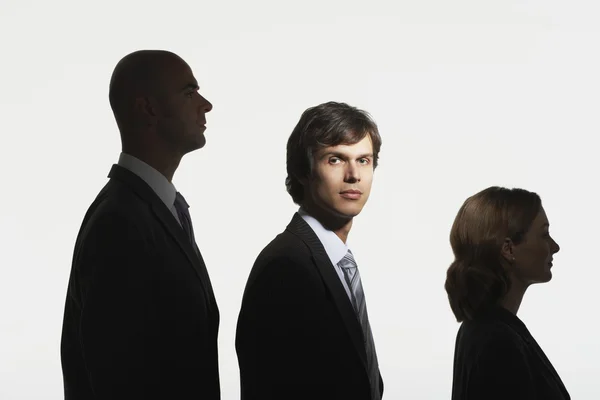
(116, 202)
(116, 217)
(483, 341)
(285, 246)
(488, 331)
(285, 257)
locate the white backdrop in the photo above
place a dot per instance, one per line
(467, 94)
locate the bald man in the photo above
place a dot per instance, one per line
(141, 320)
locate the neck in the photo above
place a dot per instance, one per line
(163, 163)
(340, 225)
(514, 297)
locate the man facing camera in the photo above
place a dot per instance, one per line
(303, 330)
(141, 320)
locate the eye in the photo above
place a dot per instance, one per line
(334, 160)
(364, 161)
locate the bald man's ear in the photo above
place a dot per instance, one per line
(145, 109)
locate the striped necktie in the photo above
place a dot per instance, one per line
(352, 277)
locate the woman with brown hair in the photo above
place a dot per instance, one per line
(501, 245)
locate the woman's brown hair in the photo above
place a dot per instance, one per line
(477, 279)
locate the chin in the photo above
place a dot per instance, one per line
(547, 277)
(198, 142)
(350, 211)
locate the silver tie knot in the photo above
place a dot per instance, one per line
(348, 261)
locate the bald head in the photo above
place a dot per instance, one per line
(157, 105)
(139, 74)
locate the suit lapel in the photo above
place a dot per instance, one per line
(169, 223)
(301, 229)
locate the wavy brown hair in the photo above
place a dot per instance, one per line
(477, 279)
(328, 124)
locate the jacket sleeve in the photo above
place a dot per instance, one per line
(277, 337)
(119, 327)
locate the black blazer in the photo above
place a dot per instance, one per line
(298, 336)
(496, 358)
(141, 320)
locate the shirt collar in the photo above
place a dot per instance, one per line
(164, 189)
(334, 247)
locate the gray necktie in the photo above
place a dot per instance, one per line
(352, 277)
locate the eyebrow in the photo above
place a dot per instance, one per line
(191, 86)
(340, 155)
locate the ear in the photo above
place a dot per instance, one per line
(145, 108)
(508, 250)
(304, 180)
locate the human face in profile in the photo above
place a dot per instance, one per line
(534, 255)
(341, 179)
(183, 120)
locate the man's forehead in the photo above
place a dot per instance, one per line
(177, 76)
(362, 145)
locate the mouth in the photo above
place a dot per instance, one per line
(351, 194)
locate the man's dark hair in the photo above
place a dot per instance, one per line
(325, 125)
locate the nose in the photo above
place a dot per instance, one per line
(352, 173)
(556, 247)
(205, 105)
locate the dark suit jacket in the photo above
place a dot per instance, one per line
(496, 358)
(141, 320)
(298, 336)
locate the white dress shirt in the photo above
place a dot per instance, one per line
(334, 247)
(164, 189)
